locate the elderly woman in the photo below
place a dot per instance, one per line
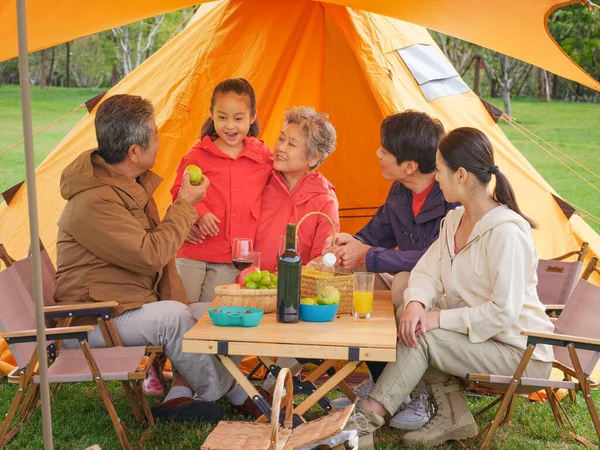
(295, 189)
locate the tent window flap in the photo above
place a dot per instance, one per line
(434, 74)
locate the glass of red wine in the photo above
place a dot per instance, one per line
(242, 254)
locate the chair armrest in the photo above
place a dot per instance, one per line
(562, 340)
(79, 309)
(16, 337)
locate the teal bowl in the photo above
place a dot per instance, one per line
(318, 313)
(233, 316)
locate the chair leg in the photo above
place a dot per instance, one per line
(510, 410)
(132, 401)
(554, 405)
(110, 408)
(158, 367)
(572, 392)
(12, 410)
(584, 382)
(510, 392)
(137, 390)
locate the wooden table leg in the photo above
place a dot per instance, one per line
(330, 384)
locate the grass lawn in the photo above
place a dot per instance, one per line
(79, 418)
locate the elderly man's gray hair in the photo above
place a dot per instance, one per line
(122, 121)
(319, 132)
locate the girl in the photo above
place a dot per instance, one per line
(238, 166)
(484, 262)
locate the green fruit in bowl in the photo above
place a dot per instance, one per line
(262, 286)
(308, 301)
(329, 295)
(251, 285)
(266, 280)
(272, 286)
(265, 273)
(274, 279)
(195, 173)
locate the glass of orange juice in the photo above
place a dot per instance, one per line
(363, 295)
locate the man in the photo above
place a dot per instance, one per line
(112, 246)
(407, 223)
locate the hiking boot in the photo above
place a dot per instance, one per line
(416, 414)
(187, 409)
(452, 419)
(362, 391)
(364, 422)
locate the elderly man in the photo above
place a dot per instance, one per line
(404, 227)
(112, 246)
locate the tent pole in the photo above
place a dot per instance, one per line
(33, 222)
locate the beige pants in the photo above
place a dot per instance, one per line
(164, 323)
(200, 278)
(442, 351)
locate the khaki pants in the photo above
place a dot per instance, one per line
(200, 278)
(442, 351)
(164, 323)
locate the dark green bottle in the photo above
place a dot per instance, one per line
(289, 273)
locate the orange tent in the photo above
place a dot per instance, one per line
(355, 65)
(514, 27)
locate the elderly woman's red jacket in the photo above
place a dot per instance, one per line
(280, 207)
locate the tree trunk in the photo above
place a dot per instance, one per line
(494, 87)
(506, 85)
(555, 84)
(477, 76)
(68, 68)
(114, 76)
(51, 71)
(543, 85)
(43, 69)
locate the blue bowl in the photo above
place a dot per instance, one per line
(232, 316)
(318, 313)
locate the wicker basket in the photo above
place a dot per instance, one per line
(312, 285)
(234, 295)
(271, 436)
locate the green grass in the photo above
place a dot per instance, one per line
(80, 420)
(79, 417)
(574, 129)
(48, 105)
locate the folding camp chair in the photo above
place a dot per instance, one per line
(576, 342)
(557, 278)
(64, 316)
(591, 268)
(17, 327)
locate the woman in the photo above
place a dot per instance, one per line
(482, 273)
(295, 189)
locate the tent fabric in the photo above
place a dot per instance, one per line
(514, 27)
(336, 59)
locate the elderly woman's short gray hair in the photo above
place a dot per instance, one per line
(319, 132)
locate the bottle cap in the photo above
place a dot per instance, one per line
(329, 259)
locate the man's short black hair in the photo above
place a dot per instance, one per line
(412, 136)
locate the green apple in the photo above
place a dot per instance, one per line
(308, 301)
(195, 174)
(329, 295)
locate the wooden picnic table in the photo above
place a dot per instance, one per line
(345, 338)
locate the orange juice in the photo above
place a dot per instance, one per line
(363, 303)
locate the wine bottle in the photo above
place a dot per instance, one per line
(289, 273)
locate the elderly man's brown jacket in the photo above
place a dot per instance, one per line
(111, 244)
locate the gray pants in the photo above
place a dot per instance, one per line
(200, 278)
(164, 323)
(447, 352)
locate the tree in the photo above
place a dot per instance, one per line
(43, 69)
(506, 73)
(135, 42)
(68, 68)
(461, 54)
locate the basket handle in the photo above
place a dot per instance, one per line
(333, 234)
(285, 376)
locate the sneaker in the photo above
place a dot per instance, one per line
(151, 385)
(416, 414)
(186, 409)
(362, 391)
